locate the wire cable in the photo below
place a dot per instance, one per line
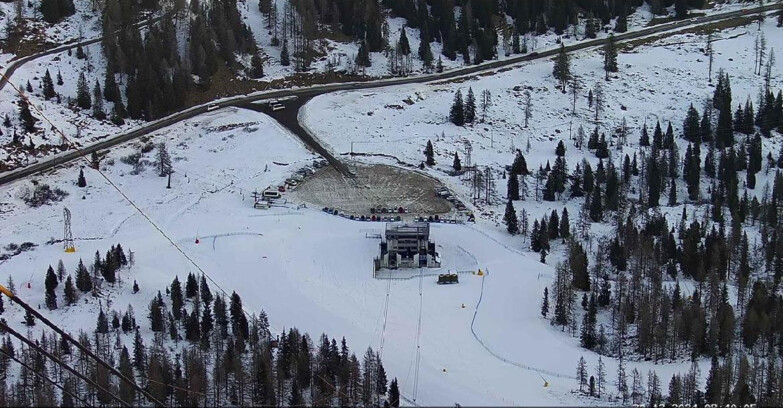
(85, 350)
(49, 380)
(4, 327)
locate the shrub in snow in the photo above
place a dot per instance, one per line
(42, 194)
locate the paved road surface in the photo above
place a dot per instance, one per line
(304, 94)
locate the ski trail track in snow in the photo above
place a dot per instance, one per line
(514, 363)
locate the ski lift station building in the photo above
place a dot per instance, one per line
(407, 245)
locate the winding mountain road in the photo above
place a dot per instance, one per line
(304, 94)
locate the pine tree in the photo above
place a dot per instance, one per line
(456, 165)
(163, 161)
(59, 78)
(102, 326)
(470, 107)
(206, 293)
(600, 373)
(25, 116)
(394, 394)
(81, 182)
(545, 303)
(439, 66)
(610, 56)
(653, 182)
(285, 60)
(51, 284)
(621, 25)
(581, 373)
(691, 127)
(429, 154)
(111, 92)
(596, 207)
(425, 53)
(48, 86)
(513, 187)
(71, 295)
(83, 99)
(622, 381)
(83, 278)
(257, 66)
(404, 45)
(97, 106)
(510, 219)
(565, 227)
(644, 139)
(457, 113)
(562, 68)
(29, 319)
(363, 56)
(60, 270)
(176, 299)
(681, 8)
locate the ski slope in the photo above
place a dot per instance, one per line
(303, 267)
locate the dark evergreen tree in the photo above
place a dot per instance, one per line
(111, 92)
(71, 295)
(102, 326)
(429, 154)
(644, 139)
(470, 107)
(285, 59)
(191, 287)
(363, 56)
(610, 56)
(596, 207)
(653, 182)
(27, 118)
(457, 113)
(456, 165)
(83, 99)
(177, 300)
(690, 127)
(48, 86)
(510, 219)
(562, 68)
(81, 181)
(50, 285)
(394, 394)
(513, 187)
(83, 278)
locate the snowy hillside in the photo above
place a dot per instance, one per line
(269, 257)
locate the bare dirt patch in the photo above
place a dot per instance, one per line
(375, 186)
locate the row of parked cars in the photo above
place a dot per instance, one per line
(374, 217)
(443, 192)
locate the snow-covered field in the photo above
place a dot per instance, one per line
(656, 81)
(303, 267)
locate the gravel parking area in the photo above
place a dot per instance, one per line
(374, 186)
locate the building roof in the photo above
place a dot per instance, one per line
(413, 228)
